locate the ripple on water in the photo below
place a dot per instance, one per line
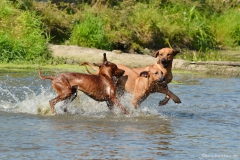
(205, 124)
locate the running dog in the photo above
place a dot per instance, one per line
(164, 63)
(99, 87)
(140, 85)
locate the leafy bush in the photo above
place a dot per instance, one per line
(27, 26)
(58, 20)
(90, 33)
(21, 35)
(157, 24)
(184, 25)
(226, 28)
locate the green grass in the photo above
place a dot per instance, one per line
(202, 26)
(202, 56)
(90, 33)
(12, 67)
(21, 36)
(227, 28)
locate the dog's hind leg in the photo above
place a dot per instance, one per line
(62, 95)
(54, 101)
(70, 98)
(110, 104)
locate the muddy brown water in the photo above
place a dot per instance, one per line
(206, 125)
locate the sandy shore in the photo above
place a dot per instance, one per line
(76, 54)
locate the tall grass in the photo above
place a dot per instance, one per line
(90, 33)
(21, 35)
(184, 25)
(203, 26)
(209, 55)
(58, 20)
(227, 28)
(152, 24)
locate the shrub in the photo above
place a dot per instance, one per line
(227, 28)
(185, 25)
(154, 24)
(21, 35)
(58, 20)
(90, 33)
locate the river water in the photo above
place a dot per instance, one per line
(206, 125)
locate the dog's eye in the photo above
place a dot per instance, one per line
(169, 55)
(160, 54)
(156, 73)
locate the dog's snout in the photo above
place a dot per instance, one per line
(162, 79)
(164, 60)
(121, 71)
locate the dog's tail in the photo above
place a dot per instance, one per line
(43, 77)
(91, 65)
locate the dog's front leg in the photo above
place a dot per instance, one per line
(135, 103)
(169, 95)
(139, 96)
(118, 104)
(166, 99)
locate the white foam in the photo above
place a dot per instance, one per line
(31, 102)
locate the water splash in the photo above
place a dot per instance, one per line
(25, 99)
(29, 94)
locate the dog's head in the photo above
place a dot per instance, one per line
(154, 75)
(111, 68)
(165, 56)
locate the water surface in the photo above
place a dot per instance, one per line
(204, 126)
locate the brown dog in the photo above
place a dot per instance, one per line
(164, 63)
(140, 85)
(100, 87)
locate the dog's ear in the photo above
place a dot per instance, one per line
(155, 54)
(175, 52)
(97, 64)
(104, 57)
(106, 63)
(145, 74)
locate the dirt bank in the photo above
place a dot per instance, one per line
(75, 54)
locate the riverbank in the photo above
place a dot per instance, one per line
(76, 54)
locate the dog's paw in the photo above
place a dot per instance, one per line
(163, 102)
(127, 113)
(177, 100)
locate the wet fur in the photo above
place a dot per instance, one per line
(140, 85)
(164, 63)
(99, 87)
